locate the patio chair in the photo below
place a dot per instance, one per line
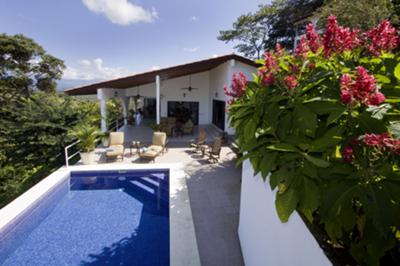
(158, 146)
(159, 142)
(201, 140)
(167, 124)
(215, 150)
(188, 127)
(116, 146)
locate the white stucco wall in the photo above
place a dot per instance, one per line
(221, 76)
(263, 238)
(210, 86)
(171, 90)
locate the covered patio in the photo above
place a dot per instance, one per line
(213, 188)
(192, 91)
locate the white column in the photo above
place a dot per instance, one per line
(158, 104)
(103, 112)
(125, 106)
(102, 97)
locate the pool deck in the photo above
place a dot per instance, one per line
(214, 193)
(204, 198)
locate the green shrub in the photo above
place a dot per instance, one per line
(322, 125)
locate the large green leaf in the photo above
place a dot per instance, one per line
(309, 169)
(394, 129)
(310, 198)
(369, 124)
(278, 176)
(397, 71)
(283, 147)
(305, 120)
(335, 115)
(284, 126)
(286, 203)
(325, 107)
(381, 205)
(378, 112)
(267, 163)
(338, 197)
(331, 138)
(317, 161)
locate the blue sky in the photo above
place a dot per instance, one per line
(102, 39)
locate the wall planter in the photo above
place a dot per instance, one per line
(264, 239)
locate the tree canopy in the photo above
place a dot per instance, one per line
(353, 14)
(274, 22)
(25, 66)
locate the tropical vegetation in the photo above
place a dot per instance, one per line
(254, 32)
(322, 125)
(35, 120)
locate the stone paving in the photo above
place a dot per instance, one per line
(214, 192)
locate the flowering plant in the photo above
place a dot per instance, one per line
(322, 124)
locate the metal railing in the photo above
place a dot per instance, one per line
(113, 126)
(67, 158)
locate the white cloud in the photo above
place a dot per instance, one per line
(121, 12)
(155, 68)
(214, 55)
(191, 49)
(194, 18)
(94, 70)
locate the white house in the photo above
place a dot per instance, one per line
(300, 26)
(197, 86)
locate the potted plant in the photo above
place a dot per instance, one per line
(105, 138)
(88, 136)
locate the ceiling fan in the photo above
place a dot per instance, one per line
(190, 88)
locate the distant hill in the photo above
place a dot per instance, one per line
(71, 83)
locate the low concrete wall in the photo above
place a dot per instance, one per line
(265, 241)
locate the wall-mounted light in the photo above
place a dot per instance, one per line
(115, 93)
(216, 95)
(184, 95)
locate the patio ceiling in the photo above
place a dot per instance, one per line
(165, 73)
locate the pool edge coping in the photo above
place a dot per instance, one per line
(183, 243)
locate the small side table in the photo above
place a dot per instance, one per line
(135, 145)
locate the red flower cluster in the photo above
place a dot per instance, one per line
(270, 62)
(268, 79)
(338, 39)
(348, 154)
(290, 82)
(382, 142)
(383, 38)
(312, 38)
(348, 151)
(363, 89)
(238, 87)
(302, 47)
(308, 42)
(278, 49)
(270, 67)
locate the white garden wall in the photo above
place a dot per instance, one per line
(265, 241)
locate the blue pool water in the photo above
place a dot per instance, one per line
(95, 218)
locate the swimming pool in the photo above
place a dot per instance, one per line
(94, 218)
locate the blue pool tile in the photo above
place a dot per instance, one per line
(101, 221)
